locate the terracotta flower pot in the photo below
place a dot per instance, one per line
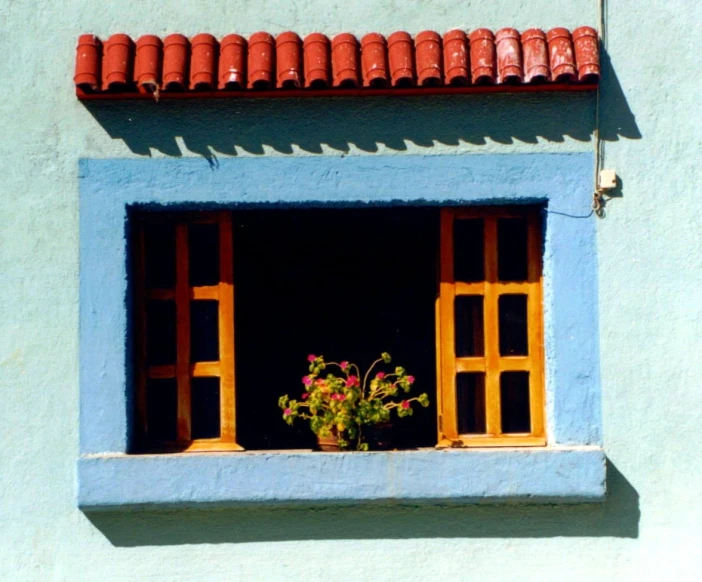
(535, 56)
(560, 55)
(401, 59)
(329, 443)
(374, 60)
(317, 61)
(482, 56)
(456, 65)
(147, 67)
(428, 45)
(232, 62)
(587, 53)
(345, 60)
(87, 75)
(175, 62)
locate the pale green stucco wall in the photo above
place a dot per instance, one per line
(650, 306)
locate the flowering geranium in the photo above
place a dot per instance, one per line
(341, 405)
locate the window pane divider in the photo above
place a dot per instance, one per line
(448, 422)
(535, 329)
(160, 294)
(160, 372)
(490, 319)
(227, 387)
(205, 370)
(140, 342)
(470, 365)
(182, 300)
(205, 292)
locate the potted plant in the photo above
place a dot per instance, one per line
(339, 405)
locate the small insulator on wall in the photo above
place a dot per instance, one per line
(117, 62)
(147, 66)
(288, 60)
(87, 74)
(401, 59)
(560, 55)
(428, 48)
(456, 65)
(317, 61)
(175, 62)
(260, 62)
(345, 60)
(232, 62)
(482, 56)
(509, 56)
(587, 53)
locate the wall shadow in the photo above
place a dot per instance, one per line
(617, 517)
(233, 126)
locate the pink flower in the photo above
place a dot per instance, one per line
(305, 395)
(338, 396)
(311, 358)
(405, 404)
(352, 381)
(307, 381)
(410, 379)
(287, 412)
(380, 375)
(344, 365)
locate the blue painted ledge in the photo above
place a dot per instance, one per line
(563, 475)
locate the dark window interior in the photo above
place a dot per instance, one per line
(344, 283)
(162, 408)
(512, 249)
(204, 402)
(514, 387)
(470, 403)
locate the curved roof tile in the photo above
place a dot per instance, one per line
(264, 66)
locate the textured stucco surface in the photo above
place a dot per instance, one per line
(650, 272)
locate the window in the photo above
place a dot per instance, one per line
(570, 468)
(307, 282)
(490, 338)
(185, 332)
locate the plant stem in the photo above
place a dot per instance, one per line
(365, 378)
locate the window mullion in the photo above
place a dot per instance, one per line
(182, 300)
(491, 322)
(140, 343)
(227, 389)
(447, 293)
(535, 325)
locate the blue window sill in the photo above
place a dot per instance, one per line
(549, 475)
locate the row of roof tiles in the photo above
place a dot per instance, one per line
(178, 64)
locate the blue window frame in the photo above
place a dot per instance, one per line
(570, 469)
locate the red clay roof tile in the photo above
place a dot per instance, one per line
(264, 66)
